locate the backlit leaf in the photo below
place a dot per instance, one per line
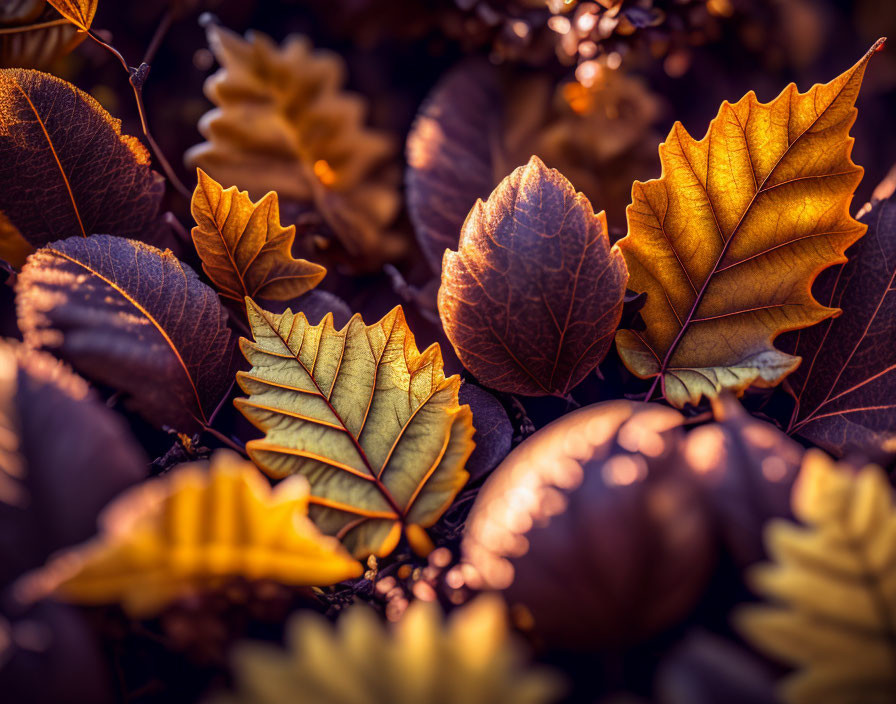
(833, 584)
(65, 167)
(191, 529)
(471, 657)
(78, 12)
(133, 317)
(284, 123)
(729, 240)
(533, 295)
(243, 248)
(371, 422)
(846, 386)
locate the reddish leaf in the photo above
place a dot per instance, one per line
(133, 317)
(65, 167)
(845, 387)
(532, 297)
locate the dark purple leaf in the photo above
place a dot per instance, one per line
(494, 432)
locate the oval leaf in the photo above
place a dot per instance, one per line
(244, 250)
(533, 295)
(65, 167)
(173, 536)
(371, 422)
(133, 317)
(728, 240)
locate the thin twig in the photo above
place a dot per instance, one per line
(158, 36)
(137, 77)
(30, 27)
(226, 440)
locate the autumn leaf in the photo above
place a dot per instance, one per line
(79, 12)
(470, 657)
(284, 123)
(57, 441)
(65, 167)
(189, 530)
(244, 250)
(531, 299)
(371, 422)
(729, 240)
(33, 35)
(846, 387)
(832, 587)
(132, 317)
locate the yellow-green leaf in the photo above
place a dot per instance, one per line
(471, 657)
(79, 12)
(833, 587)
(244, 249)
(191, 529)
(370, 421)
(728, 241)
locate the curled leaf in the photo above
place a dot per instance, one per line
(728, 241)
(190, 529)
(531, 299)
(132, 317)
(471, 657)
(832, 584)
(371, 422)
(244, 249)
(65, 167)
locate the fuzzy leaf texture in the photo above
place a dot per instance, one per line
(244, 249)
(133, 317)
(728, 241)
(79, 12)
(284, 123)
(65, 167)
(470, 657)
(194, 528)
(533, 295)
(833, 584)
(371, 422)
(846, 386)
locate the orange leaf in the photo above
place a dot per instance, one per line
(79, 12)
(244, 249)
(728, 241)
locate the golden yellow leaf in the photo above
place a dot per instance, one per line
(284, 123)
(191, 529)
(79, 12)
(834, 587)
(728, 241)
(424, 659)
(243, 248)
(371, 422)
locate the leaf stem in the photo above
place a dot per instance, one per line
(226, 440)
(31, 27)
(137, 77)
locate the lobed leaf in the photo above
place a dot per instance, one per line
(190, 529)
(133, 317)
(65, 167)
(728, 241)
(371, 422)
(243, 248)
(531, 299)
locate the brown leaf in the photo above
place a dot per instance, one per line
(78, 12)
(532, 297)
(845, 388)
(244, 249)
(65, 167)
(132, 317)
(33, 35)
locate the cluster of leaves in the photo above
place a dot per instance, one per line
(374, 475)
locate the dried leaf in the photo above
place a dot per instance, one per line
(729, 240)
(244, 250)
(284, 123)
(78, 12)
(65, 167)
(846, 387)
(471, 657)
(371, 422)
(57, 441)
(832, 582)
(133, 317)
(531, 299)
(32, 35)
(189, 530)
